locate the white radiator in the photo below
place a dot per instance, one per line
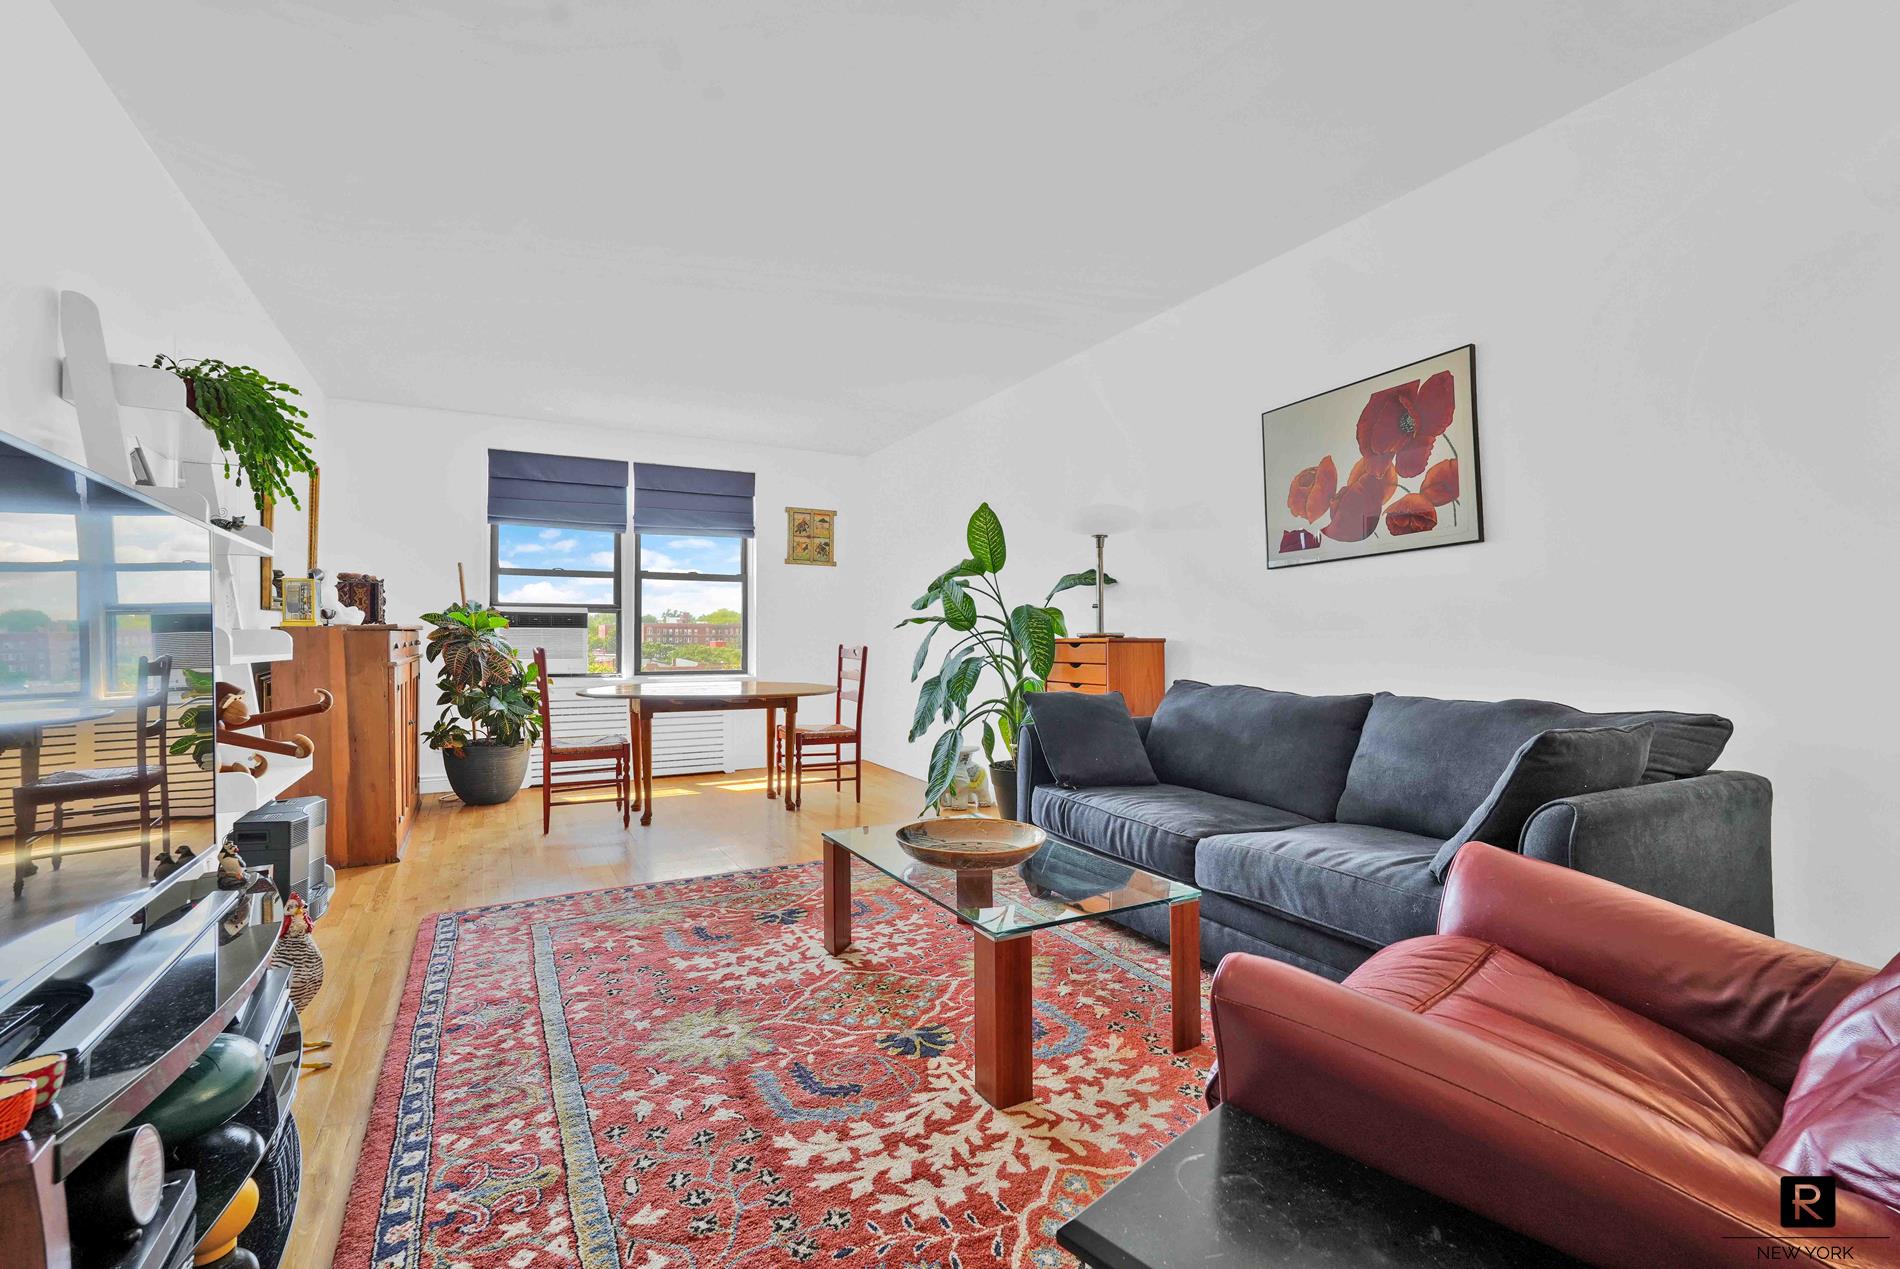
(683, 744)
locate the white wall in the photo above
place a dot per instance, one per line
(1683, 298)
(406, 492)
(88, 207)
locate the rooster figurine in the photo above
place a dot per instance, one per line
(297, 951)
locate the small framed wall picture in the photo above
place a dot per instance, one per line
(811, 536)
(300, 601)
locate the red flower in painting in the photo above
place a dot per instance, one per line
(1312, 490)
(1440, 485)
(1414, 513)
(1378, 474)
(1356, 509)
(1297, 540)
(1404, 422)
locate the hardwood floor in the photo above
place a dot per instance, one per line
(464, 857)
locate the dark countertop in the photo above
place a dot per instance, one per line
(1234, 1190)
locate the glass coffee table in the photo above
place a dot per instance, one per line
(1004, 908)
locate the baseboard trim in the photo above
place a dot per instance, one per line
(436, 782)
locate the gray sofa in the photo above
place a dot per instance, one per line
(1310, 823)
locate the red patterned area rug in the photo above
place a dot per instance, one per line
(676, 1075)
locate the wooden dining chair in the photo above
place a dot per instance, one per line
(836, 734)
(149, 776)
(617, 749)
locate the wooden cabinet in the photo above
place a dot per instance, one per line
(1137, 668)
(366, 745)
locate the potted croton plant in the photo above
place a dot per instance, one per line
(491, 704)
(1016, 645)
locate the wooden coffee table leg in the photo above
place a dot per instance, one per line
(837, 898)
(1184, 956)
(1005, 1074)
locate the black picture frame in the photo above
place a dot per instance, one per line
(1279, 519)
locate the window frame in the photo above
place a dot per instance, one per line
(743, 577)
(619, 606)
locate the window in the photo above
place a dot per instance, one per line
(554, 574)
(690, 603)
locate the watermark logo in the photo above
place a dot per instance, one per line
(1807, 1202)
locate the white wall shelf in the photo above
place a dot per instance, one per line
(249, 646)
(143, 387)
(240, 793)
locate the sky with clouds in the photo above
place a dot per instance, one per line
(531, 547)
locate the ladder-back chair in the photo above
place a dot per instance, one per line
(617, 750)
(833, 736)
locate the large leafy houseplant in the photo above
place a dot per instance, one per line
(488, 696)
(253, 419)
(1017, 645)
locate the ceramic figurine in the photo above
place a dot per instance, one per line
(361, 591)
(969, 785)
(231, 868)
(297, 951)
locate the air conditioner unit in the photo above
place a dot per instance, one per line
(562, 631)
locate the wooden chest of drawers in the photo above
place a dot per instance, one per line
(1137, 668)
(366, 758)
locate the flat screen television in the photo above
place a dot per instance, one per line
(106, 758)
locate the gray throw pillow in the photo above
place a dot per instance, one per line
(1090, 741)
(1552, 764)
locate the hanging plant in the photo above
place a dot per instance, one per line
(254, 420)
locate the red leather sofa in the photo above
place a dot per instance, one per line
(1624, 1079)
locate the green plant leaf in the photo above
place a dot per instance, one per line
(1058, 623)
(959, 610)
(1035, 636)
(1069, 581)
(989, 740)
(985, 535)
(967, 568)
(958, 686)
(923, 651)
(929, 701)
(943, 767)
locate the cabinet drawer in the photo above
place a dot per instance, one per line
(1081, 650)
(1091, 689)
(1063, 672)
(405, 644)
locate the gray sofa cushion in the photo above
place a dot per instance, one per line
(1277, 748)
(1154, 826)
(1370, 885)
(1560, 763)
(1424, 764)
(1090, 741)
(1681, 746)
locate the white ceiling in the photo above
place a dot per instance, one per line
(819, 224)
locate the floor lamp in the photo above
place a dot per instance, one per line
(1098, 520)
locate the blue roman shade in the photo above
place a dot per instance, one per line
(557, 490)
(692, 500)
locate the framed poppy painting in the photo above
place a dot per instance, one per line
(1389, 463)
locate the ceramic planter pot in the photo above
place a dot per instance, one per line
(486, 775)
(1003, 784)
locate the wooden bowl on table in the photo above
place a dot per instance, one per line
(969, 845)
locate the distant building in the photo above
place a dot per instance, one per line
(677, 634)
(48, 655)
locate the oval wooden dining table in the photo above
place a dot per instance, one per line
(645, 699)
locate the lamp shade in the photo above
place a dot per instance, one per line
(1104, 517)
